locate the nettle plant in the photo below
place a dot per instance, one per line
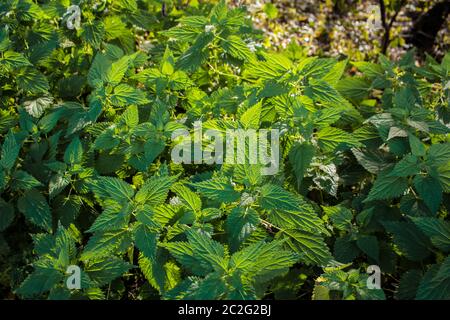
(91, 92)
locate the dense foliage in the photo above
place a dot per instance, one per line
(89, 101)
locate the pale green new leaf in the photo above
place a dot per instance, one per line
(237, 48)
(125, 95)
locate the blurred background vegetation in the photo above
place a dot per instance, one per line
(354, 28)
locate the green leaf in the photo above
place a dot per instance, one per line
(182, 33)
(103, 271)
(437, 230)
(4, 40)
(340, 216)
(323, 92)
(263, 260)
(57, 184)
(153, 148)
(439, 154)
(14, 60)
(146, 240)
(274, 197)
(162, 275)
(300, 157)
(98, 70)
(179, 80)
(37, 107)
(218, 189)
(39, 281)
(240, 224)
(22, 180)
(189, 198)
(125, 95)
(210, 253)
(106, 140)
(336, 72)
(410, 240)
(345, 249)
(270, 10)
(273, 66)
(353, 88)
(112, 188)
(183, 253)
(408, 166)
(251, 117)
(417, 146)
(387, 187)
(330, 138)
(102, 244)
(444, 177)
(373, 161)
(112, 218)
(167, 63)
(10, 151)
(237, 48)
(409, 283)
(35, 208)
(303, 218)
(6, 214)
(131, 116)
(435, 284)
(155, 190)
(74, 152)
(430, 191)
(31, 80)
(198, 22)
(93, 33)
(193, 58)
(117, 70)
(369, 245)
(310, 247)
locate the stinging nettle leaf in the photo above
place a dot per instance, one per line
(274, 197)
(387, 187)
(35, 208)
(146, 240)
(74, 152)
(241, 222)
(430, 191)
(112, 188)
(237, 48)
(437, 230)
(10, 151)
(219, 189)
(310, 247)
(300, 157)
(155, 190)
